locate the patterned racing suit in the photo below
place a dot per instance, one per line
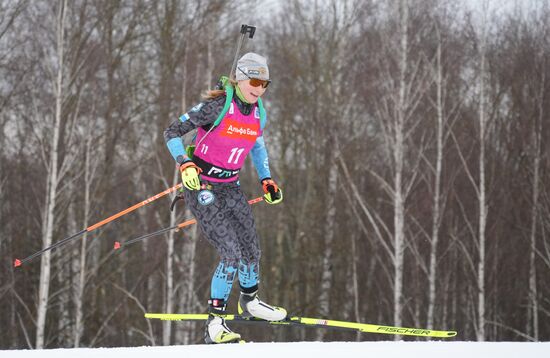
(220, 207)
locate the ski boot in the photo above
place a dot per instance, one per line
(250, 305)
(216, 330)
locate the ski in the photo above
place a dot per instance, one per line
(312, 322)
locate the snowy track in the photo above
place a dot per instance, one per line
(307, 349)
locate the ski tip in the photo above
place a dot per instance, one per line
(117, 245)
(17, 263)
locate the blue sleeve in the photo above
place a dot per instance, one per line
(175, 146)
(259, 158)
(173, 137)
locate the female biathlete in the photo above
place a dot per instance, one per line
(213, 193)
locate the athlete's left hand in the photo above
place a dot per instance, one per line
(273, 194)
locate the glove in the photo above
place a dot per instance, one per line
(190, 175)
(273, 194)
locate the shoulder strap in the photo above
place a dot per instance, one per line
(228, 99)
(263, 117)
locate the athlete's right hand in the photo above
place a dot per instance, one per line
(190, 175)
(273, 194)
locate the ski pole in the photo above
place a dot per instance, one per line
(19, 262)
(245, 29)
(119, 245)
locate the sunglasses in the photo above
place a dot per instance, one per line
(255, 82)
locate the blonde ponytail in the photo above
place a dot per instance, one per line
(215, 93)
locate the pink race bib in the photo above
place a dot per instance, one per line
(222, 152)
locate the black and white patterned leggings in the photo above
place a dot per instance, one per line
(225, 218)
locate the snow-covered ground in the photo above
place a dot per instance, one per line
(307, 349)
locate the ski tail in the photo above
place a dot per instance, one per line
(314, 322)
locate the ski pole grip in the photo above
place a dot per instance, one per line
(248, 29)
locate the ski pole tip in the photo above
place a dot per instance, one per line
(117, 245)
(17, 263)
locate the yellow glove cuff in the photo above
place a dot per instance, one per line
(267, 198)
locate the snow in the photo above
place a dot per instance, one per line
(306, 349)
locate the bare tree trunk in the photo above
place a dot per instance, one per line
(181, 335)
(280, 260)
(64, 281)
(326, 276)
(187, 300)
(355, 282)
(533, 301)
(432, 274)
(399, 151)
(51, 194)
(169, 299)
(89, 173)
(482, 196)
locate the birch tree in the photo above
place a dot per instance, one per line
(404, 82)
(187, 260)
(537, 157)
(446, 112)
(398, 157)
(170, 52)
(52, 177)
(91, 164)
(537, 154)
(436, 223)
(481, 183)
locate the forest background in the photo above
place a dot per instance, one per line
(409, 138)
